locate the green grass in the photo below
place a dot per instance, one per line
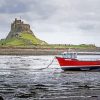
(13, 41)
(24, 39)
(28, 40)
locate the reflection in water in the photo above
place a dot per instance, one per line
(20, 80)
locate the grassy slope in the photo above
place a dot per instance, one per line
(23, 39)
(28, 40)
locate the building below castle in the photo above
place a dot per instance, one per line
(18, 27)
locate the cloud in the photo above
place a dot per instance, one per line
(13, 7)
(51, 18)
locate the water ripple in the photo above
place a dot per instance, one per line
(20, 79)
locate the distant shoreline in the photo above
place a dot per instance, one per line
(45, 51)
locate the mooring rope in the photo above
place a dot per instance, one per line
(47, 65)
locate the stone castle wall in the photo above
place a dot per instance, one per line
(17, 27)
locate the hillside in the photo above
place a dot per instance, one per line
(23, 39)
(21, 35)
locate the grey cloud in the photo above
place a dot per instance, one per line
(87, 27)
(13, 7)
(43, 9)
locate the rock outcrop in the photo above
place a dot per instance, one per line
(21, 35)
(18, 27)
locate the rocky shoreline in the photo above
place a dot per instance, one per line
(43, 51)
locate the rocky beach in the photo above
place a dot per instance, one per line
(42, 51)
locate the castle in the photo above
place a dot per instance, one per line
(17, 27)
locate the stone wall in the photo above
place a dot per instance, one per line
(17, 27)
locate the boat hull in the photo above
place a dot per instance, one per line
(77, 65)
(95, 68)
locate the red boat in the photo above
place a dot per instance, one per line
(69, 61)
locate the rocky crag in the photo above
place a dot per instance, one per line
(18, 27)
(21, 35)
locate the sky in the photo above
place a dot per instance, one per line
(55, 21)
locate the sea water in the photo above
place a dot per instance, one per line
(21, 78)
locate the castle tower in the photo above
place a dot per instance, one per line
(18, 27)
